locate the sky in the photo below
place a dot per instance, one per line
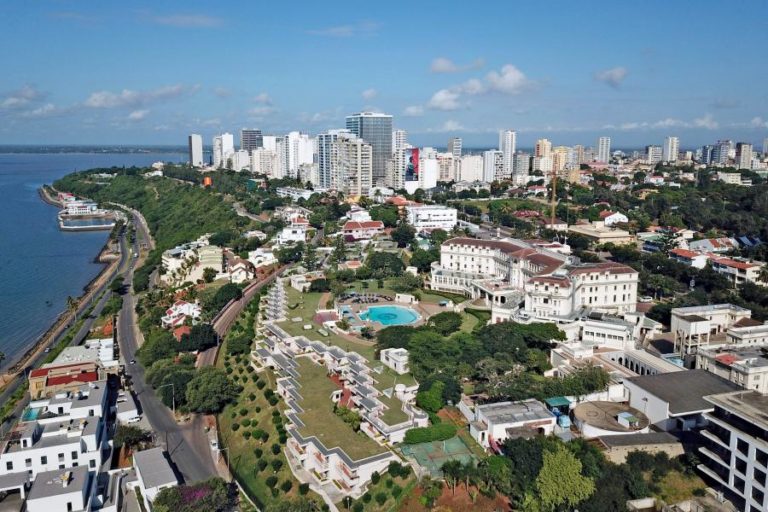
(107, 72)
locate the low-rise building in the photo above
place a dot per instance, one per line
(616, 448)
(610, 218)
(490, 424)
(744, 365)
(61, 491)
(693, 326)
(293, 234)
(362, 230)
(294, 193)
(675, 401)
(690, 258)
(738, 271)
(429, 217)
(154, 473)
(180, 312)
(262, 257)
(65, 431)
(734, 448)
(599, 233)
(395, 358)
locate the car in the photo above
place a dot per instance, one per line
(646, 299)
(214, 444)
(47, 349)
(135, 419)
(132, 361)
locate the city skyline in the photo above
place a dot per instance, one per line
(193, 71)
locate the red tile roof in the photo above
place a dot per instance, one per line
(685, 253)
(366, 224)
(728, 262)
(560, 281)
(181, 331)
(611, 268)
(69, 379)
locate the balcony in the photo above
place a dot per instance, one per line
(714, 456)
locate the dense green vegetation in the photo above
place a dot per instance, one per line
(214, 495)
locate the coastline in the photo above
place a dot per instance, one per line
(110, 261)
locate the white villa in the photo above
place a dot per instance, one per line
(178, 313)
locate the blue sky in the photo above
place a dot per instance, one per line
(151, 72)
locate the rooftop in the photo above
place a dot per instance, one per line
(639, 439)
(58, 482)
(318, 417)
(603, 415)
(684, 391)
(750, 405)
(154, 468)
(515, 412)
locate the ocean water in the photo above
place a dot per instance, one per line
(40, 266)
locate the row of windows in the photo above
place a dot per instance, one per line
(44, 462)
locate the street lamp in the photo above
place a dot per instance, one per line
(173, 396)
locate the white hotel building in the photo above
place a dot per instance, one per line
(507, 273)
(429, 217)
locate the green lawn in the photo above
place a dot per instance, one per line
(320, 420)
(476, 317)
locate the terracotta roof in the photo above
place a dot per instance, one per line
(685, 253)
(747, 322)
(728, 262)
(77, 377)
(42, 372)
(181, 331)
(611, 268)
(367, 224)
(727, 359)
(560, 281)
(605, 213)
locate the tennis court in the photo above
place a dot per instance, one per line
(431, 456)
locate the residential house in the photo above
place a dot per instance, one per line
(362, 230)
(180, 312)
(690, 258)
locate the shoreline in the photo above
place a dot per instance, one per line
(110, 261)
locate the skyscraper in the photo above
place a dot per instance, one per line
(223, 147)
(720, 152)
(351, 165)
(671, 149)
(251, 139)
(195, 150)
(765, 147)
(543, 148)
(399, 140)
(325, 149)
(299, 150)
(604, 149)
(375, 129)
(507, 146)
(653, 154)
(455, 146)
(743, 155)
(493, 165)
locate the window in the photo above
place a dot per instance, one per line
(92, 464)
(44, 460)
(741, 466)
(743, 446)
(69, 506)
(74, 455)
(61, 457)
(28, 462)
(9, 466)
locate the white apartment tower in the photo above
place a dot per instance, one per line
(299, 150)
(195, 150)
(470, 168)
(399, 140)
(493, 165)
(507, 146)
(455, 146)
(743, 155)
(604, 149)
(653, 154)
(351, 165)
(223, 147)
(671, 149)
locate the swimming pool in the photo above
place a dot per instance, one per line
(389, 315)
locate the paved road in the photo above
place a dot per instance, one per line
(187, 444)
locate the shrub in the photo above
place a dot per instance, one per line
(271, 481)
(247, 434)
(358, 507)
(303, 489)
(275, 492)
(375, 477)
(367, 497)
(258, 433)
(381, 498)
(397, 491)
(257, 409)
(389, 483)
(273, 400)
(276, 464)
(286, 486)
(260, 384)
(262, 464)
(252, 397)
(258, 452)
(246, 422)
(243, 411)
(275, 413)
(439, 432)
(275, 448)
(235, 427)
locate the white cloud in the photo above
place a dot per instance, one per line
(21, 97)
(187, 20)
(444, 99)
(222, 92)
(138, 115)
(444, 65)
(47, 110)
(369, 94)
(705, 122)
(758, 122)
(413, 111)
(509, 81)
(472, 86)
(263, 98)
(355, 29)
(261, 111)
(452, 126)
(613, 76)
(129, 98)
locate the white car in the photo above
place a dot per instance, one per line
(646, 299)
(135, 419)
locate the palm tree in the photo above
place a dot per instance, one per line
(72, 304)
(452, 471)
